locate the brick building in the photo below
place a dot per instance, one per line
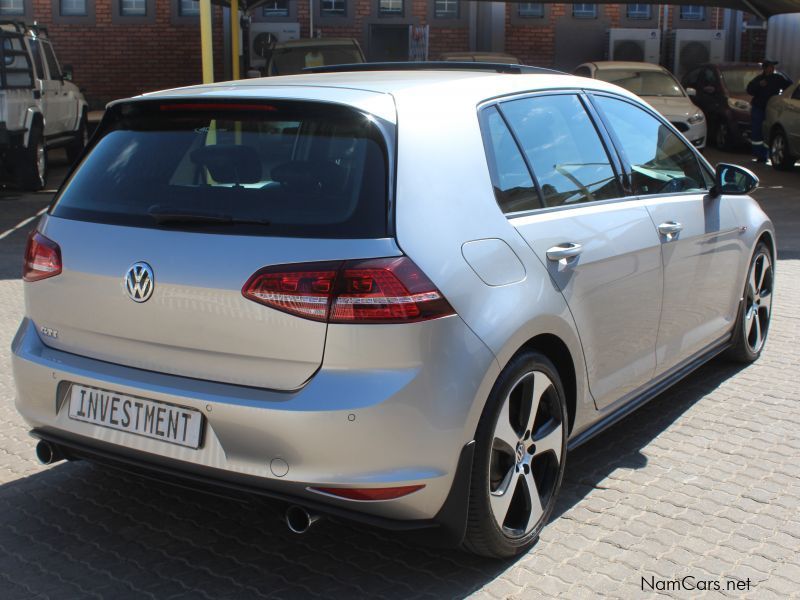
(124, 47)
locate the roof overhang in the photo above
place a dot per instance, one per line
(760, 8)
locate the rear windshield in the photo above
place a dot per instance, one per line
(292, 60)
(15, 66)
(298, 169)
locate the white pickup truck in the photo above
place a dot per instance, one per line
(40, 107)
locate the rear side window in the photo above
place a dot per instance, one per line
(563, 148)
(513, 185)
(660, 161)
(299, 169)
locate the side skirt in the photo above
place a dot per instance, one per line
(640, 398)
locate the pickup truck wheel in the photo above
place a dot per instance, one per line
(76, 146)
(33, 162)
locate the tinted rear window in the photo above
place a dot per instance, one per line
(297, 168)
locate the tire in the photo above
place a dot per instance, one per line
(32, 165)
(518, 452)
(722, 136)
(75, 148)
(755, 312)
(779, 151)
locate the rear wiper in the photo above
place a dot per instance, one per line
(167, 217)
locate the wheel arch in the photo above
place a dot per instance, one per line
(767, 237)
(34, 118)
(557, 351)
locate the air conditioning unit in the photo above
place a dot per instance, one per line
(262, 35)
(692, 47)
(639, 45)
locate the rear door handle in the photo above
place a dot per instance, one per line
(567, 250)
(670, 229)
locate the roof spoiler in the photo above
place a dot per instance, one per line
(433, 66)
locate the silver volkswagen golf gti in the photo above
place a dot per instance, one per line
(398, 296)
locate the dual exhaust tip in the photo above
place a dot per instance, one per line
(298, 519)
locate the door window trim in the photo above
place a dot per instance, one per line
(602, 133)
(704, 164)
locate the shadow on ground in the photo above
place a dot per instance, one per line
(77, 527)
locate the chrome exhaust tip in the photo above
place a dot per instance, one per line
(48, 453)
(299, 520)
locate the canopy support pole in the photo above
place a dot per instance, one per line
(235, 39)
(206, 41)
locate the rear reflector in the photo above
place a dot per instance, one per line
(389, 493)
(381, 290)
(42, 258)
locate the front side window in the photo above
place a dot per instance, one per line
(639, 11)
(333, 8)
(584, 11)
(390, 7)
(73, 8)
(445, 9)
(514, 189)
(133, 8)
(52, 63)
(12, 7)
(189, 8)
(661, 162)
(276, 8)
(531, 10)
(563, 148)
(283, 168)
(693, 12)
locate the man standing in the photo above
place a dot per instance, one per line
(762, 88)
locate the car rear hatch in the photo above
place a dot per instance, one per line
(179, 203)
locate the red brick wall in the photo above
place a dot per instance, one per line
(116, 61)
(754, 45)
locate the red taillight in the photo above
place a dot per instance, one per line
(42, 258)
(386, 493)
(382, 290)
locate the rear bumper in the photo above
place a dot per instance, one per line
(375, 426)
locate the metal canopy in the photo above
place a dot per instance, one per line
(760, 8)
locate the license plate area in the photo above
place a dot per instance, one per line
(141, 416)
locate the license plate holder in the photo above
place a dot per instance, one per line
(152, 419)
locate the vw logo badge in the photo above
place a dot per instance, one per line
(139, 282)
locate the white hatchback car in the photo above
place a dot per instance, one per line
(659, 88)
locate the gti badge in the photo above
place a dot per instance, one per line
(139, 282)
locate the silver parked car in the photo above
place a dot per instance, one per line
(782, 128)
(395, 296)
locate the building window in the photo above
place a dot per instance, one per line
(390, 7)
(133, 8)
(445, 9)
(693, 12)
(639, 11)
(584, 11)
(73, 8)
(276, 8)
(189, 8)
(12, 7)
(531, 10)
(333, 8)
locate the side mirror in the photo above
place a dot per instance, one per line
(733, 180)
(66, 72)
(691, 92)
